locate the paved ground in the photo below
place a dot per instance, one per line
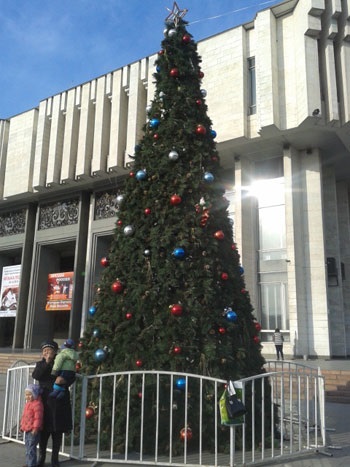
(337, 424)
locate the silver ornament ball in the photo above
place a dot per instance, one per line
(173, 155)
(120, 199)
(128, 230)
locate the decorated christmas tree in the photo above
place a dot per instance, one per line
(172, 295)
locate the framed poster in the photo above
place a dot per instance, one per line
(59, 291)
(9, 290)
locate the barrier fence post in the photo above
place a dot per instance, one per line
(232, 445)
(83, 416)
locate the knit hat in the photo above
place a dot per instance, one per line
(51, 344)
(68, 344)
(34, 389)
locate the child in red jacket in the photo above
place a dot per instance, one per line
(32, 422)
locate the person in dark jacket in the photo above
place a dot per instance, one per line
(57, 412)
(278, 340)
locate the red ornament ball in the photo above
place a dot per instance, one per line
(128, 315)
(147, 211)
(78, 366)
(257, 326)
(243, 291)
(80, 344)
(131, 174)
(219, 235)
(233, 247)
(199, 102)
(224, 276)
(186, 38)
(139, 363)
(201, 130)
(104, 262)
(201, 74)
(186, 433)
(161, 52)
(176, 309)
(119, 223)
(256, 339)
(222, 330)
(89, 412)
(175, 200)
(177, 350)
(117, 287)
(174, 72)
(155, 136)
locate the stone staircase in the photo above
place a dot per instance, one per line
(337, 384)
(8, 359)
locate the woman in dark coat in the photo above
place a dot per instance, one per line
(57, 412)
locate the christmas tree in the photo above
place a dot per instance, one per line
(172, 295)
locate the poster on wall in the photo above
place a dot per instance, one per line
(9, 290)
(59, 291)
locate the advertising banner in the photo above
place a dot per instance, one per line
(9, 290)
(59, 291)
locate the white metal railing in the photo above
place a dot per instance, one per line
(286, 416)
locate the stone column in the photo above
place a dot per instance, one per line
(313, 280)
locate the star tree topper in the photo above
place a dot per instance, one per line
(175, 14)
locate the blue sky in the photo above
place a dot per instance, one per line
(48, 46)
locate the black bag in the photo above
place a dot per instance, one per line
(234, 406)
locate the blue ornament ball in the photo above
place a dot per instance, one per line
(180, 383)
(179, 253)
(92, 310)
(141, 175)
(231, 316)
(100, 355)
(241, 270)
(208, 177)
(154, 122)
(213, 133)
(158, 68)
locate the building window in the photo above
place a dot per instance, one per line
(251, 86)
(274, 303)
(272, 233)
(273, 283)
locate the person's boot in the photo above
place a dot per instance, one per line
(54, 460)
(44, 436)
(42, 457)
(56, 443)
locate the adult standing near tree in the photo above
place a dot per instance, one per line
(278, 340)
(57, 412)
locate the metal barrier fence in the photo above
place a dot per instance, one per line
(286, 417)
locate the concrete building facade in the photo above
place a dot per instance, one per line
(278, 93)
